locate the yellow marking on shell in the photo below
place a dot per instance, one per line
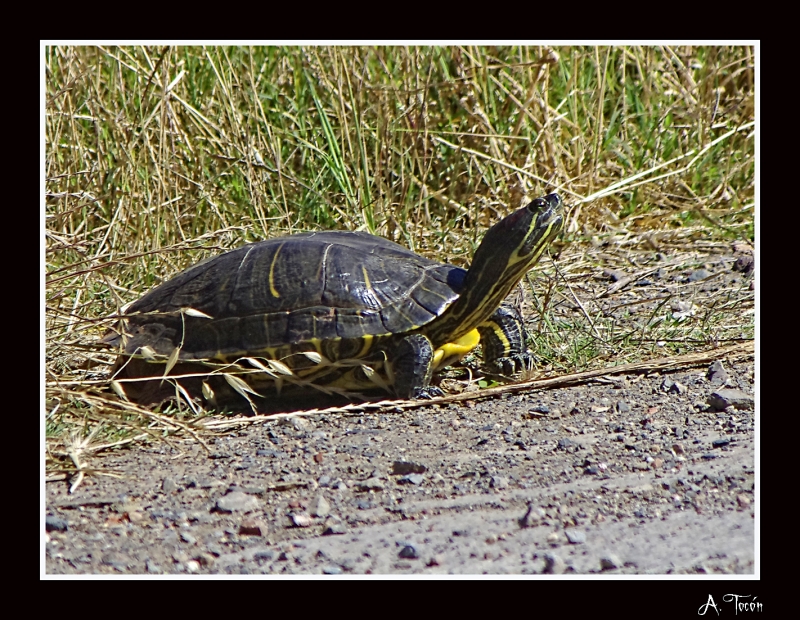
(367, 339)
(366, 279)
(453, 351)
(272, 288)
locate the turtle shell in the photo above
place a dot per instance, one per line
(335, 292)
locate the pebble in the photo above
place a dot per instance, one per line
(55, 524)
(554, 538)
(333, 526)
(678, 388)
(743, 500)
(745, 264)
(565, 443)
(319, 506)
(237, 502)
(253, 527)
(188, 538)
(411, 479)
(265, 555)
(575, 537)
(720, 443)
(408, 467)
(302, 519)
(717, 374)
(498, 482)
(408, 552)
(699, 274)
(728, 397)
(168, 485)
(553, 564)
(370, 484)
(331, 570)
(609, 561)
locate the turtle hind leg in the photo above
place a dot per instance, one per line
(412, 367)
(503, 343)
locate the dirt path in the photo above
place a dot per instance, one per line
(633, 475)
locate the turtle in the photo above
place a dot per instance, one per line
(338, 310)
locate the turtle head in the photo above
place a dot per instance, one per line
(517, 241)
(508, 250)
(512, 246)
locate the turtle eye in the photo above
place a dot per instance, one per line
(538, 203)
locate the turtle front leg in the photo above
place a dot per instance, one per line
(503, 342)
(412, 367)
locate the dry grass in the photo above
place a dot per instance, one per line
(159, 157)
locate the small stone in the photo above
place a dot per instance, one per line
(622, 407)
(411, 479)
(726, 397)
(532, 517)
(152, 567)
(408, 552)
(678, 448)
(554, 538)
(333, 526)
(720, 443)
(575, 537)
(188, 538)
(253, 527)
(55, 524)
(743, 500)
(319, 506)
(370, 484)
(498, 482)
(264, 555)
(192, 566)
(717, 374)
(745, 264)
(301, 519)
(168, 485)
(699, 274)
(677, 388)
(401, 468)
(657, 463)
(553, 564)
(565, 443)
(435, 560)
(609, 561)
(331, 570)
(237, 502)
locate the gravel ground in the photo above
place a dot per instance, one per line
(625, 477)
(637, 474)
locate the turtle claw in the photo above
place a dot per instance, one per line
(512, 365)
(427, 393)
